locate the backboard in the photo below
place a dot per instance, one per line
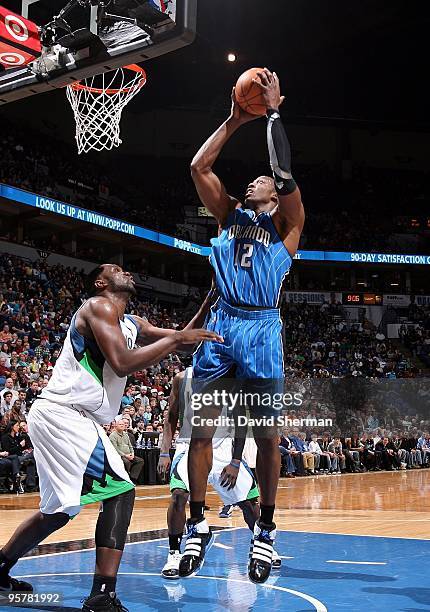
(86, 37)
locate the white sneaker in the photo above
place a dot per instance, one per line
(171, 569)
(276, 560)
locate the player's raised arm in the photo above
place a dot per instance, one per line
(211, 190)
(149, 333)
(289, 217)
(101, 317)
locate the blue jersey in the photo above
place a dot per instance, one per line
(250, 260)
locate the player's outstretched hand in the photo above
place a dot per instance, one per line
(238, 113)
(163, 466)
(269, 85)
(229, 476)
(195, 336)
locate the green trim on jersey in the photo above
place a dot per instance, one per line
(254, 491)
(111, 488)
(92, 367)
(177, 483)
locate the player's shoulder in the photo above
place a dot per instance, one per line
(99, 306)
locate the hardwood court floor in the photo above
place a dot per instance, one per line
(393, 504)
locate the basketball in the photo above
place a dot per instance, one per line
(248, 94)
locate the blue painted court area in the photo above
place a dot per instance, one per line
(320, 572)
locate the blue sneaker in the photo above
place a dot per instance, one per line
(226, 511)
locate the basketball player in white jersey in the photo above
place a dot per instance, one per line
(76, 462)
(230, 476)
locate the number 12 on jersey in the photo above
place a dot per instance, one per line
(243, 255)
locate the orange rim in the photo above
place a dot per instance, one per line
(78, 85)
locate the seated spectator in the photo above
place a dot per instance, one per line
(332, 459)
(4, 370)
(9, 469)
(15, 414)
(10, 386)
(147, 415)
(27, 452)
(335, 447)
(386, 455)
(127, 399)
(5, 334)
(140, 410)
(15, 445)
(162, 402)
(143, 396)
(32, 393)
(402, 453)
(423, 444)
(132, 414)
(369, 459)
(352, 455)
(297, 454)
(415, 455)
(121, 442)
(6, 405)
(356, 446)
(154, 406)
(318, 454)
(308, 456)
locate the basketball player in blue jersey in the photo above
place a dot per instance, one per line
(250, 258)
(76, 461)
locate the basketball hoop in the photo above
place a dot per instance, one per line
(97, 104)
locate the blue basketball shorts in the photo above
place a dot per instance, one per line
(252, 344)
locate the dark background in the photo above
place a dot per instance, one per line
(360, 59)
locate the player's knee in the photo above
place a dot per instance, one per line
(179, 499)
(56, 520)
(113, 521)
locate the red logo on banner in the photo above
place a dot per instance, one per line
(19, 39)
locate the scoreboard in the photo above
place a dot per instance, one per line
(361, 299)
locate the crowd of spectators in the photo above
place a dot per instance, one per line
(322, 350)
(364, 211)
(320, 343)
(308, 455)
(416, 336)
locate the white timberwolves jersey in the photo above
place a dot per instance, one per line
(84, 380)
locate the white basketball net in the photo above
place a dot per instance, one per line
(97, 104)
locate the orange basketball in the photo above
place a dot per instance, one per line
(248, 94)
